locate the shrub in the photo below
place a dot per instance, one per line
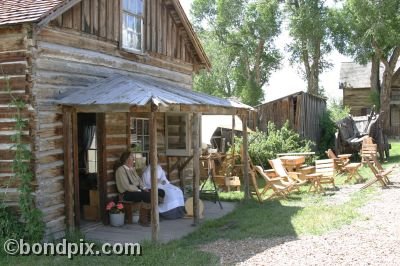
(10, 227)
(264, 146)
(334, 113)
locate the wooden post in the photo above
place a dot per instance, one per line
(102, 164)
(77, 211)
(68, 168)
(155, 225)
(245, 159)
(196, 168)
(233, 138)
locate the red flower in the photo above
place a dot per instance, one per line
(110, 205)
(115, 208)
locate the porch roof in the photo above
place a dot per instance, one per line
(141, 91)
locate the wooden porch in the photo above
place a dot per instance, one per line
(169, 229)
(157, 101)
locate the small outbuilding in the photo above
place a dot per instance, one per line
(301, 109)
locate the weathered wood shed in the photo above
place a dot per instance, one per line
(301, 109)
(100, 76)
(356, 85)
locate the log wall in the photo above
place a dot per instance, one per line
(164, 35)
(302, 110)
(15, 65)
(116, 144)
(359, 102)
(357, 99)
(77, 50)
(59, 67)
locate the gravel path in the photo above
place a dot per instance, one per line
(374, 241)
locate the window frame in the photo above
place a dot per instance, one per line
(93, 148)
(142, 17)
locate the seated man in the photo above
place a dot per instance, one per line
(131, 186)
(173, 206)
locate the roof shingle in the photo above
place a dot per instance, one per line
(18, 11)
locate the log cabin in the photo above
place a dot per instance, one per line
(301, 109)
(356, 85)
(100, 77)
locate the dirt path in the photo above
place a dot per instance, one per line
(374, 241)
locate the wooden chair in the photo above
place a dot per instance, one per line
(254, 190)
(382, 171)
(367, 150)
(279, 187)
(291, 177)
(327, 169)
(378, 176)
(340, 161)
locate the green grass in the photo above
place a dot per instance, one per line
(301, 214)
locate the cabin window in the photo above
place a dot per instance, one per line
(92, 156)
(140, 141)
(177, 137)
(132, 24)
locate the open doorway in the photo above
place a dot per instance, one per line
(88, 168)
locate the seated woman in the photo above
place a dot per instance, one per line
(131, 186)
(173, 206)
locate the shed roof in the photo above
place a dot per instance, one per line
(139, 90)
(295, 94)
(354, 75)
(18, 11)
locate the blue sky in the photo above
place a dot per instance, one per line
(287, 80)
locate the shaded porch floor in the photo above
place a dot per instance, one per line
(169, 229)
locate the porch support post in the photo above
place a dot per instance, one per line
(68, 168)
(233, 139)
(196, 167)
(245, 158)
(76, 167)
(155, 223)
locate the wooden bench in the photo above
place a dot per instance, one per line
(131, 206)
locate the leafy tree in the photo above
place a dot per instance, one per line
(369, 29)
(335, 112)
(238, 35)
(309, 27)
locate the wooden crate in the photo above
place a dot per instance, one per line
(91, 213)
(94, 198)
(232, 181)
